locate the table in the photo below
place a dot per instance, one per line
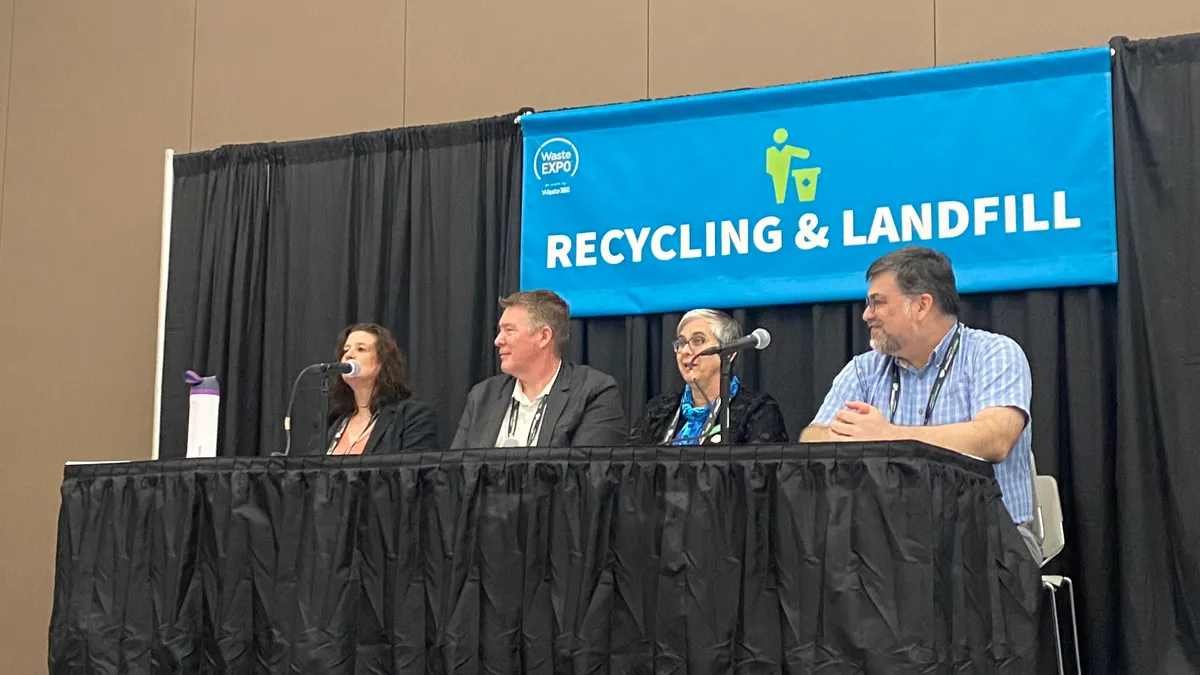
(830, 558)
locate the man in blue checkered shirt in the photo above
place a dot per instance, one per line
(930, 378)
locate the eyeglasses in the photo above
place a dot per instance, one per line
(696, 342)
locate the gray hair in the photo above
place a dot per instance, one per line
(545, 308)
(921, 270)
(724, 327)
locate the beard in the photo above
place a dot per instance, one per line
(886, 344)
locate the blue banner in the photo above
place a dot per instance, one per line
(787, 194)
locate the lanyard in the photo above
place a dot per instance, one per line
(534, 427)
(337, 436)
(709, 423)
(943, 371)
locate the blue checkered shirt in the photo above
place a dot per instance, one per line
(990, 370)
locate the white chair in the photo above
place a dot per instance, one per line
(1049, 523)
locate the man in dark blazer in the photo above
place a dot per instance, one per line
(540, 400)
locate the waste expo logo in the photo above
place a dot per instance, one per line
(555, 161)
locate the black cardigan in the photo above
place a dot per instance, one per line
(402, 426)
(756, 417)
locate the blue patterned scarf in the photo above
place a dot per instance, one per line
(695, 416)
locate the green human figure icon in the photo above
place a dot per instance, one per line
(779, 163)
(779, 166)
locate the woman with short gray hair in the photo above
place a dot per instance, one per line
(692, 416)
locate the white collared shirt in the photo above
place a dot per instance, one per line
(526, 411)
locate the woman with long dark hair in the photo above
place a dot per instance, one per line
(374, 411)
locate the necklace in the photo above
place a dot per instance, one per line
(366, 430)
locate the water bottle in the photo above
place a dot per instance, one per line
(203, 415)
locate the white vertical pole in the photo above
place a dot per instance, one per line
(164, 267)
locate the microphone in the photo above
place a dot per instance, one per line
(347, 368)
(759, 339)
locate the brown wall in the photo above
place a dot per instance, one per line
(91, 93)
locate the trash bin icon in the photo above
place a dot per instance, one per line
(806, 183)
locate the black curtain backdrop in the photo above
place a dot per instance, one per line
(277, 247)
(832, 558)
(1153, 610)
(1114, 368)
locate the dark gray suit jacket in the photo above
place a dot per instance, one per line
(408, 425)
(584, 410)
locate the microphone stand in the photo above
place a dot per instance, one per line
(287, 419)
(726, 384)
(324, 403)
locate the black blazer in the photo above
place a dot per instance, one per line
(402, 426)
(584, 410)
(756, 417)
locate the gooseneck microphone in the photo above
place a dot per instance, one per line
(350, 368)
(347, 368)
(758, 339)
